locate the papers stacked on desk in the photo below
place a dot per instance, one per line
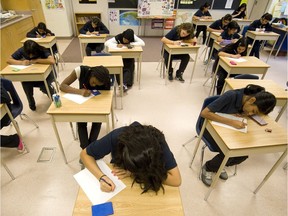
(233, 117)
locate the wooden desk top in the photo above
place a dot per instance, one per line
(125, 49)
(203, 20)
(285, 29)
(131, 202)
(252, 62)
(80, 36)
(106, 61)
(238, 19)
(255, 137)
(32, 69)
(256, 33)
(172, 46)
(100, 104)
(47, 39)
(269, 85)
(215, 34)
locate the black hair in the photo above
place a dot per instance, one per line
(267, 16)
(95, 20)
(227, 17)
(188, 27)
(233, 25)
(140, 151)
(265, 101)
(31, 47)
(243, 5)
(243, 42)
(101, 73)
(42, 26)
(129, 35)
(206, 5)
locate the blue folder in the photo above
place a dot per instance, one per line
(103, 209)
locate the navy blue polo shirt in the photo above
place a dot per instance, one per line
(226, 36)
(108, 144)
(218, 25)
(230, 102)
(21, 55)
(174, 36)
(200, 14)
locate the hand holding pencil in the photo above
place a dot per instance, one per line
(106, 184)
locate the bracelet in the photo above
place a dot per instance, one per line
(101, 177)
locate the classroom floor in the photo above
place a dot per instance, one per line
(48, 188)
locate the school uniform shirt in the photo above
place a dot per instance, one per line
(199, 13)
(258, 24)
(101, 28)
(112, 42)
(21, 55)
(242, 15)
(5, 98)
(108, 144)
(230, 102)
(174, 36)
(34, 32)
(226, 36)
(218, 25)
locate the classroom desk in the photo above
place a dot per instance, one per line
(35, 72)
(85, 39)
(202, 22)
(135, 52)
(255, 141)
(131, 202)
(113, 63)
(254, 35)
(270, 86)
(177, 49)
(284, 34)
(252, 65)
(242, 22)
(96, 109)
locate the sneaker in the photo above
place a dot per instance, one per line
(180, 77)
(223, 175)
(32, 107)
(206, 176)
(205, 62)
(125, 88)
(21, 147)
(170, 76)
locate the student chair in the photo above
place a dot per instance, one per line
(245, 29)
(200, 127)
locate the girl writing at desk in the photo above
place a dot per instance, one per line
(138, 151)
(90, 78)
(240, 12)
(252, 99)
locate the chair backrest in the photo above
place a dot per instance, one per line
(16, 104)
(246, 76)
(201, 120)
(245, 29)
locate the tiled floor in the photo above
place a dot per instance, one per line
(45, 189)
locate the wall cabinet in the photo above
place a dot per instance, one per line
(82, 18)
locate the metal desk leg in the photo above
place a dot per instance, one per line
(168, 67)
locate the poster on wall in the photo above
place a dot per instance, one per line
(155, 7)
(88, 1)
(128, 18)
(113, 16)
(54, 4)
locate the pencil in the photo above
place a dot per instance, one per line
(106, 182)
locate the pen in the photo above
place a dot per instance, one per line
(106, 182)
(84, 86)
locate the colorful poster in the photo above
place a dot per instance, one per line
(113, 16)
(54, 4)
(128, 18)
(155, 7)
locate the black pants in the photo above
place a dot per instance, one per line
(256, 48)
(183, 64)
(10, 141)
(28, 88)
(128, 72)
(222, 75)
(214, 164)
(83, 133)
(98, 47)
(203, 29)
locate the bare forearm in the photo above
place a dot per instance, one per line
(90, 164)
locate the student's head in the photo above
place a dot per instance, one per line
(241, 46)
(128, 36)
(266, 18)
(232, 27)
(205, 7)
(226, 19)
(97, 76)
(41, 28)
(242, 7)
(258, 101)
(95, 21)
(140, 152)
(32, 49)
(185, 30)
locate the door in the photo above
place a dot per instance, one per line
(37, 11)
(258, 8)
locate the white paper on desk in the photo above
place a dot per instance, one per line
(77, 98)
(238, 59)
(91, 185)
(85, 35)
(34, 39)
(243, 130)
(20, 67)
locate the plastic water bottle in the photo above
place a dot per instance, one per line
(57, 100)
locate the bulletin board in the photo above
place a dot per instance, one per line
(217, 4)
(155, 8)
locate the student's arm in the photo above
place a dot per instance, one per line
(48, 60)
(13, 61)
(268, 27)
(219, 39)
(253, 26)
(225, 54)
(173, 177)
(138, 41)
(32, 33)
(49, 33)
(208, 114)
(103, 29)
(91, 165)
(111, 43)
(192, 40)
(65, 86)
(85, 29)
(167, 41)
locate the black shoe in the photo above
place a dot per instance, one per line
(170, 76)
(32, 107)
(180, 77)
